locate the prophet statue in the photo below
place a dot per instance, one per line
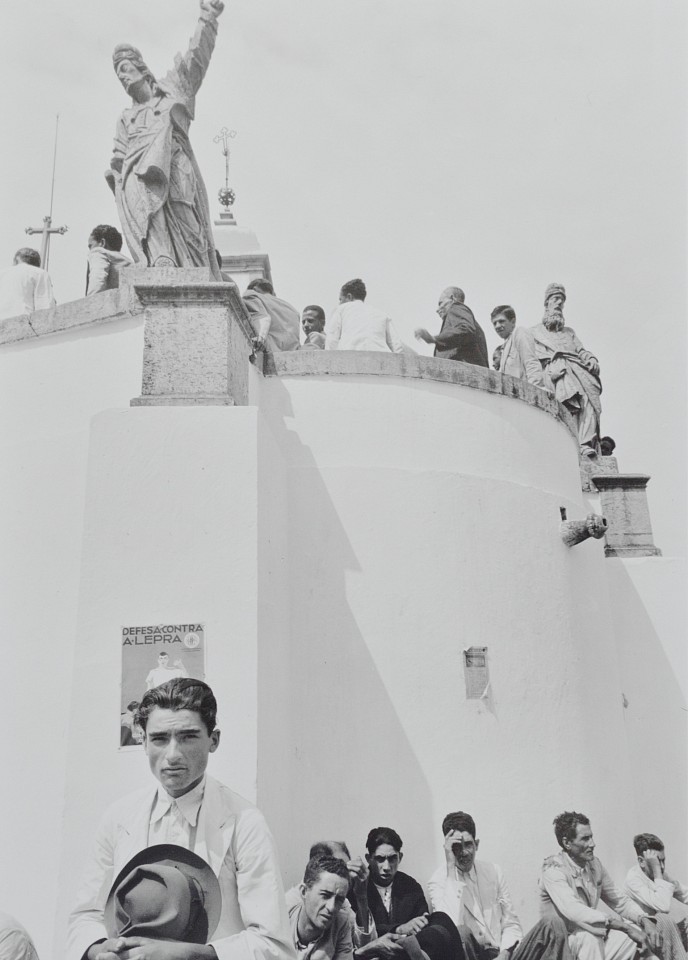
(160, 195)
(571, 372)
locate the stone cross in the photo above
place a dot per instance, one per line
(46, 230)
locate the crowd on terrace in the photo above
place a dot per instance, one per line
(548, 355)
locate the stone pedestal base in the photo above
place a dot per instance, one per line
(197, 342)
(624, 506)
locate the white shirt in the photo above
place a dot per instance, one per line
(356, 326)
(15, 943)
(23, 289)
(654, 896)
(175, 820)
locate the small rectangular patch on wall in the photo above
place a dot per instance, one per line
(476, 672)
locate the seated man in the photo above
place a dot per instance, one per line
(313, 324)
(396, 900)
(275, 321)
(105, 259)
(651, 887)
(356, 908)
(573, 882)
(192, 810)
(475, 895)
(355, 325)
(320, 928)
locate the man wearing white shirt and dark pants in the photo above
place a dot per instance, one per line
(356, 326)
(476, 897)
(194, 811)
(655, 892)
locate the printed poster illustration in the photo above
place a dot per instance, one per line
(152, 655)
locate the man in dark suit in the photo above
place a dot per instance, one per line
(461, 337)
(396, 900)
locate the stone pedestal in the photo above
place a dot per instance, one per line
(624, 506)
(197, 341)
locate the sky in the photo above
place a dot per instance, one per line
(497, 145)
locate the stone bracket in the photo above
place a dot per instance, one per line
(623, 499)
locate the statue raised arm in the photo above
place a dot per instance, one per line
(160, 194)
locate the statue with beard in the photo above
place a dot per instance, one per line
(160, 194)
(571, 372)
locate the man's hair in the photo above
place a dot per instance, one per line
(324, 864)
(181, 693)
(456, 294)
(28, 255)
(354, 288)
(566, 824)
(326, 848)
(383, 835)
(262, 286)
(109, 235)
(459, 821)
(647, 841)
(314, 308)
(504, 309)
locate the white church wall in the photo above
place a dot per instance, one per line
(170, 536)
(424, 519)
(50, 388)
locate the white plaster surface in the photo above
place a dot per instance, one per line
(343, 539)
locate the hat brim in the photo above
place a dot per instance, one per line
(189, 863)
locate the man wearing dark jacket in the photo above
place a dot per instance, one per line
(461, 337)
(396, 901)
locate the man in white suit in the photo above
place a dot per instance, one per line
(190, 809)
(475, 895)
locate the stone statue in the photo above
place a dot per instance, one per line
(571, 372)
(160, 194)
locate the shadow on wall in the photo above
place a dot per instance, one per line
(348, 761)
(655, 714)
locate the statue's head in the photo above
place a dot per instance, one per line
(133, 73)
(555, 297)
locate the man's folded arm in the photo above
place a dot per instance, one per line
(655, 896)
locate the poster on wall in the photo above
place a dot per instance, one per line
(151, 655)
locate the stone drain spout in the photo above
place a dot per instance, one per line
(576, 531)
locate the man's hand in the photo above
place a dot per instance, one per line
(386, 946)
(143, 948)
(653, 938)
(449, 842)
(213, 7)
(420, 333)
(651, 858)
(110, 947)
(413, 926)
(358, 872)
